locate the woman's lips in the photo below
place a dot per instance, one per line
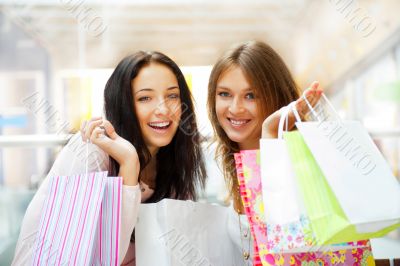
(160, 127)
(238, 123)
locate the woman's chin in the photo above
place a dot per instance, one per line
(238, 138)
(159, 143)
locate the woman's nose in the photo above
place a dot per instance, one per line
(162, 108)
(236, 106)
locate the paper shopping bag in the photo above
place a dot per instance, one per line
(360, 179)
(109, 224)
(288, 226)
(175, 232)
(80, 222)
(355, 253)
(356, 171)
(251, 201)
(329, 222)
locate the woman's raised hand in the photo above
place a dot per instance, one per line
(102, 133)
(271, 123)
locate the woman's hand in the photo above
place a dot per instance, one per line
(271, 123)
(102, 133)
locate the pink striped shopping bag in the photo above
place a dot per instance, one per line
(80, 222)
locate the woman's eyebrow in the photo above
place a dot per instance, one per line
(144, 89)
(226, 88)
(223, 88)
(173, 87)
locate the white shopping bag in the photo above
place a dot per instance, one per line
(288, 226)
(174, 233)
(279, 189)
(361, 179)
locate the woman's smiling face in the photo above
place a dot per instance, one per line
(237, 108)
(157, 104)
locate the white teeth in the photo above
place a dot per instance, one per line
(161, 124)
(238, 122)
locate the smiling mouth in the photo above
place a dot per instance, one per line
(238, 122)
(160, 126)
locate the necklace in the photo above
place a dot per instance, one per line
(246, 254)
(142, 188)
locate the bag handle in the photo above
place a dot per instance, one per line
(283, 121)
(292, 106)
(87, 143)
(313, 110)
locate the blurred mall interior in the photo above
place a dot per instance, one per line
(62, 52)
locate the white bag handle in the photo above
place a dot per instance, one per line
(87, 160)
(292, 106)
(284, 119)
(313, 111)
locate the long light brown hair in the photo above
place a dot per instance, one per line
(271, 81)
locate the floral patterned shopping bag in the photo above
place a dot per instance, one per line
(266, 237)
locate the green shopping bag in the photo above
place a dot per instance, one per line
(328, 221)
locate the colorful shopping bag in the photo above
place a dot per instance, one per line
(329, 222)
(358, 195)
(285, 214)
(250, 203)
(288, 225)
(80, 223)
(248, 163)
(109, 224)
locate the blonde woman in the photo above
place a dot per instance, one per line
(248, 86)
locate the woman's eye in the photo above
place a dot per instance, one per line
(173, 96)
(250, 96)
(223, 94)
(144, 99)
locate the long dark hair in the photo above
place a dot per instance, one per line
(180, 167)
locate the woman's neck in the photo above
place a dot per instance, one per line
(149, 173)
(252, 144)
(153, 151)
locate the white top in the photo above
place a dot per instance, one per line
(71, 160)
